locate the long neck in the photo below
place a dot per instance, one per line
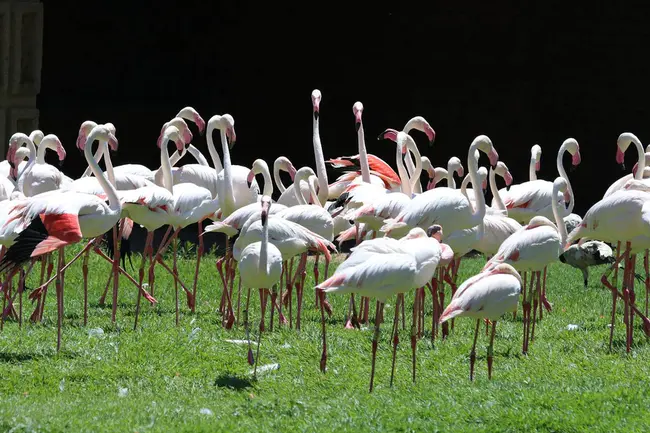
(321, 171)
(196, 153)
(98, 156)
(363, 155)
(451, 182)
(40, 154)
(109, 189)
(229, 199)
(166, 166)
(463, 185)
(559, 221)
(108, 163)
(562, 172)
(268, 185)
(472, 165)
(641, 162)
(213, 152)
(298, 191)
(278, 180)
(532, 174)
(405, 181)
(30, 164)
(495, 192)
(417, 170)
(410, 165)
(264, 248)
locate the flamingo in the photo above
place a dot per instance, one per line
(533, 198)
(38, 177)
(50, 222)
(533, 248)
(260, 266)
(487, 295)
(282, 163)
(620, 217)
(638, 172)
(409, 264)
(535, 162)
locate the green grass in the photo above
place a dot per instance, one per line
(569, 382)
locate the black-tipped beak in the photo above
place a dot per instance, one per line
(61, 162)
(433, 230)
(357, 126)
(430, 143)
(316, 115)
(264, 217)
(231, 144)
(11, 164)
(622, 166)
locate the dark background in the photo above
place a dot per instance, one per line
(519, 73)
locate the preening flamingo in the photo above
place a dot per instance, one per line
(487, 295)
(282, 163)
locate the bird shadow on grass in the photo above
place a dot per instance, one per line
(233, 382)
(18, 358)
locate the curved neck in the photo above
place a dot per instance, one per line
(108, 163)
(166, 166)
(532, 174)
(415, 175)
(30, 164)
(404, 178)
(562, 172)
(229, 199)
(451, 182)
(109, 189)
(268, 185)
(278, 180)
(472, 165)
(213, 151)
(559, 221)
(40, 154)
(321, 171)
(98, 156)
(411, 167)
(641, 162)
(363, 155)
(297, 191)
(463, 185)
(495, 192)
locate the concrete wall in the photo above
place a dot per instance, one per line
(21, 54)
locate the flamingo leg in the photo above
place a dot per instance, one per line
(395, 334)
(414, 331)
(84, 269)
(375, 339)
(536, 305)
(323, 358)
(472, 354)
(175, 272)
(316, 275)
(646, 266)
(239, 299)
(148, 250)
(199, 254)
(490, 351)
(247, 328)
(59, 300)
(259, 338)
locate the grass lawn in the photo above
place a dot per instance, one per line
(189, 378)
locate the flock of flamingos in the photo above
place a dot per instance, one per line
(407, 237)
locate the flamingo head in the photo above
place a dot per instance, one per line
(179, 123)
(357, 109)
(51, 141)
(315, 102)
(192, 115)
(502, 170)
(174, 134)
(259, 166)
(266, 206)
(389, 134)
(84, 130)
(505, 269)
(484, 144)
(102, 133)
(224, 123)
(36, 136)
(622, 143)
(283, 163)
(571, 145)
(421, 124)
(454, 165)
(560, 185)
(435, 231)
(536, 155)
(17, 140)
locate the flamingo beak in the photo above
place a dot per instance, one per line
(484, 186)
(112, 142)
(187, 136)
(231, 137)
(431, 184)
(200, 123)
(250, 178)
(432, 136)
(494, 157)
(634, 169)
(433, 230)
(292, 172)
(620, 157)
(538, 166)
(60, 151)
(575, 160)
(508, 178)
(81, 141)
(389, 134)
(567, 196)
(357, 121)
(13, 172)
